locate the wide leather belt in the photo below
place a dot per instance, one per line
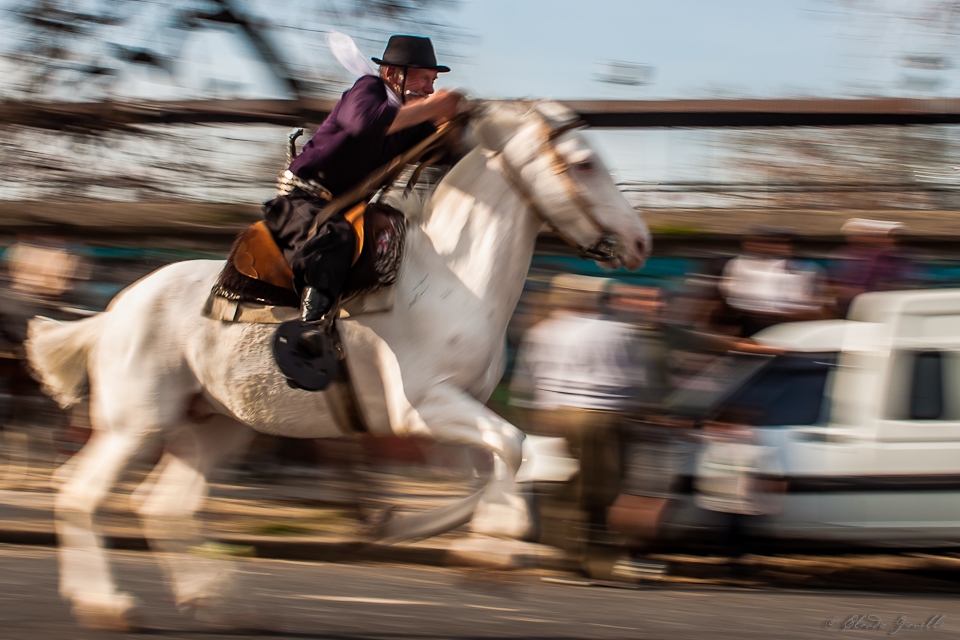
(288, 181)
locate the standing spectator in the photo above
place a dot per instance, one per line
(653, 446)
(643, 308)
(738, 477)
(42, 277)
(766, 286)
(577, 372)
(870, 261)
(655, 453)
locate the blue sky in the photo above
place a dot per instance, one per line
(553, 47)
(556, 48)
(697, 48)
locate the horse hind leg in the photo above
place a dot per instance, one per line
(170, 498)
(85, 577)
(500, 513)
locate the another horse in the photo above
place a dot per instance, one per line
(157, 369)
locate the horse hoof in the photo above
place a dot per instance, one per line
(376, 528)
(492, 553)
(216, 615)
(101, 616)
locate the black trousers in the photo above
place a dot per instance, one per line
(321, 262)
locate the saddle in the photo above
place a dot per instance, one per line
(257, 280)
(257, 285)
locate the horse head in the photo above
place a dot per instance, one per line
(545, 158)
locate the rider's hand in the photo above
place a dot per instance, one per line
(445, 104)
(437, 108)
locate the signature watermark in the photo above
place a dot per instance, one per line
(865, 622)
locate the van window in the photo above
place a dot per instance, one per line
(788, 392)
(926, 387)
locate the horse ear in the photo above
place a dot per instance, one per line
(555, 113)
(486, 131)
(494, 125)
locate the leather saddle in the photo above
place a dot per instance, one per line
(256, 270)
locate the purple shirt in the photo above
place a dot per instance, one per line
(868, 268)
(353, 142)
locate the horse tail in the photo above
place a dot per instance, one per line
(57, 355)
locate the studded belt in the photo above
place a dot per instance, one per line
(288, 181)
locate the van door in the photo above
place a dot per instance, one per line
(914, 494)
(836, 456)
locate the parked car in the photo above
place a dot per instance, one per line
(863, 415)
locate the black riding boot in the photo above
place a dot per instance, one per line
(313, 305)
(318, 310)
(306, 349)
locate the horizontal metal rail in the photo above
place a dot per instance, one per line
(718, 113)
(788, 187)
(812, 112)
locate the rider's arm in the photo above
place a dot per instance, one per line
(440, 106)
(365, 110)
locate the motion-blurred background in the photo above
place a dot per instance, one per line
(788, 157)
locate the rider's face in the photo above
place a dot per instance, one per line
(420, 82)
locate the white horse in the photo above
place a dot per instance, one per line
(156, 369)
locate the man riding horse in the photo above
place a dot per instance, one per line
(374, 121)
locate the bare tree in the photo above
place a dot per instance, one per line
(912, 167)
(80, 48)
(77, 50)
(850, 168)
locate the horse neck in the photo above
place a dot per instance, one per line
(483, 232)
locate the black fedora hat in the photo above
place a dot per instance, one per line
(411, 51)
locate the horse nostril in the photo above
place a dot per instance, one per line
(641, 247)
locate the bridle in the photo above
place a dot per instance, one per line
(608, 245)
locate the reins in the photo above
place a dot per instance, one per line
(391, 171)
(607, 246)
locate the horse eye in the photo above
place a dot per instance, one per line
(585, 166)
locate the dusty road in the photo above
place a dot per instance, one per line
(322, 600)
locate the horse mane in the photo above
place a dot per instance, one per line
(498, 121)
(492, 126)
(493, 121)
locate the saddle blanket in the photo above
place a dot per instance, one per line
(256, 284)
(220, 308)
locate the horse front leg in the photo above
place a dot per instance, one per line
(167, 503)
(85, 577)
(448, 414)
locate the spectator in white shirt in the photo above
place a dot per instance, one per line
(766, 286)
(578, 371)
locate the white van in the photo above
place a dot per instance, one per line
(864, 416)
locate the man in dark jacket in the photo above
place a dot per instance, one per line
(376, 120)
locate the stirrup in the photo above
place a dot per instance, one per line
(307, 354)
(307, 350)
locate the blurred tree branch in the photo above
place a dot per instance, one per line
(849, 168)
(918, 164)
(221, 164)
(71, 50)
(80, 49)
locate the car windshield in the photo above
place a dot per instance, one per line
(786, 390)
(700, 396)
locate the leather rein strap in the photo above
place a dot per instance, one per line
(391, 171)
(607, 247)
(341, 395)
